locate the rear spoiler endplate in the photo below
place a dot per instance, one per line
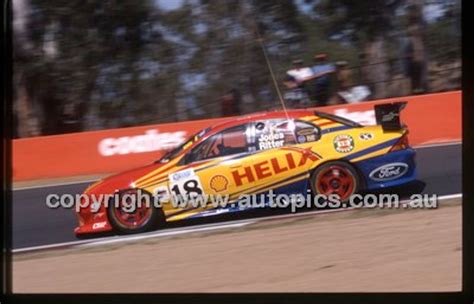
(388, 115)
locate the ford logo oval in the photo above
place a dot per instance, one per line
(389, 171)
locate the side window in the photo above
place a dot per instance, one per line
(228, 142)
(273, 133)
(306, 132)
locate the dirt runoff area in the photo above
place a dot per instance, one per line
(355, 251)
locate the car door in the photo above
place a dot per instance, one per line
(206, 170)
(279, 163)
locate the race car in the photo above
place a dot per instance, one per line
(290, 152)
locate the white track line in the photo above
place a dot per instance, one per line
(201, 228)
(94, 180)
(166, 233)
(434, 145)
(55, 185)
(159, 233)
(450, 196)
(52, 246)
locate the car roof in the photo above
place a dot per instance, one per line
(238, 120)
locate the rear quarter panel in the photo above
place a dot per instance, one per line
(354, 144)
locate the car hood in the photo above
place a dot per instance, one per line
(121, 180)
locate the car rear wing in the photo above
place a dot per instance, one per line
(388, 115)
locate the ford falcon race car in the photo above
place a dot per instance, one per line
(285, 152)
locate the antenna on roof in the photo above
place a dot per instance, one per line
(291, 123)
(267, 60)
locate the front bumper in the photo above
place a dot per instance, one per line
(92, 222)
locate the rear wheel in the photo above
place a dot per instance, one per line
(335, 177)
(128, 216)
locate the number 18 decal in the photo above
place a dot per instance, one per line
(185, 183)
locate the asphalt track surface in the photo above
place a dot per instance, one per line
(34, 224)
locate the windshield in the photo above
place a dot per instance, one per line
(176, 151)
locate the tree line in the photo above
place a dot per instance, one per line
(85, 65)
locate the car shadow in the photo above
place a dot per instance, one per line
(404, 192)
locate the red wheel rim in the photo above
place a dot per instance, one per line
(336, 179)
(132, 219)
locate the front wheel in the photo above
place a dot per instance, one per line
(335, 177)
(129, 217)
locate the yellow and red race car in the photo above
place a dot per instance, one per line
(285, 152)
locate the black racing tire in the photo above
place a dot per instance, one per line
(336, 177)
(146, 219)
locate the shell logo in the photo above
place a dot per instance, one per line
(219, 183)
